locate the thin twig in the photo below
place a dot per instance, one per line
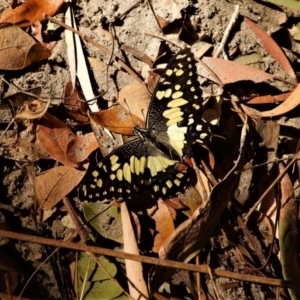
(227, 31)
(99, 46)
(163, 39)
(279, 177)
(147, 259)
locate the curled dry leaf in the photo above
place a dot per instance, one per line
(269, 99)
(237, 72)
(51, 186)
(290, 103)
(33, 109)
(271, 46)
(117, 119)
(135, 98)
(19, 49)
(54, 136)
(31, 11)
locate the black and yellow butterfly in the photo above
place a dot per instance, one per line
(173, 124)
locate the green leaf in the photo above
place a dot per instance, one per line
(95, 273)
(108, 223)
(287, 3)
(253, 60)
(104, 290)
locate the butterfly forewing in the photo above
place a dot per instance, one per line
(175, 111)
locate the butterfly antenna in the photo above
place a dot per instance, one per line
(125, 101)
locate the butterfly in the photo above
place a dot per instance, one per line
(156, 161)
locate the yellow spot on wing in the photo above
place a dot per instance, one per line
(95, 173)
(177, 137)
(169, 184)
(142, 164)
(177, 181)
(179, 72)
(120, 175)
(177, 102)
(180, 56)
(173, 113)
(136, 166)
(169, 72)
(127, 172)
(168, 93)
(160, 94)
(99, 183)
(174, 121)
(113, 159)
(191, 121)
(203, 136)
(177, 94)
(84, 190)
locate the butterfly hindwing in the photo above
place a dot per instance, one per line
(133, 168)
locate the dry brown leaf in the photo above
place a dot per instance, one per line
(54, 136)
(272, 47)
(135, 98)
(164, 225)
(290, 103)
(237, 72)
(269, 99)
(33, 109)
(80, 148)
(117, 119)
(163, 23)
(19, 49)
(31, 11)
(51, 186)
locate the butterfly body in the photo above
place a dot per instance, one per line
(153, 161)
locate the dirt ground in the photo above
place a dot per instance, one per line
(209, 19)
